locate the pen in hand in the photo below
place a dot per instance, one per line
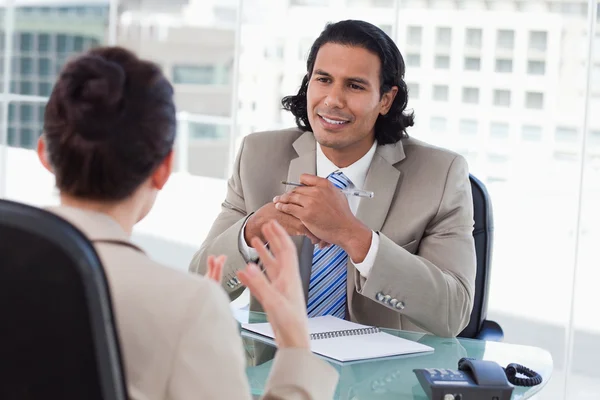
(347, 192)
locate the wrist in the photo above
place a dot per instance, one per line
(251, 230)
(358, 242)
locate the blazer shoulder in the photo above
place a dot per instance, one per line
(434, 156)
(279, 137)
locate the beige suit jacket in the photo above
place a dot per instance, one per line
(424, 272)
(178, 337)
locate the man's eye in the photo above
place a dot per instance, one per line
(355, 87)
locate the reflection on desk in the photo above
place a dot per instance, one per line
(393, 378)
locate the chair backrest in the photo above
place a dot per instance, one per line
(58, 338)
(483, 233)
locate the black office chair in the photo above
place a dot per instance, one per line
(58, 338)
(483, 233)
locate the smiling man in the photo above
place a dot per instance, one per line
(403, 258)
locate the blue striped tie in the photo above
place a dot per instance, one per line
(327, 287)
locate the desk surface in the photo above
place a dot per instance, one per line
(393, 378)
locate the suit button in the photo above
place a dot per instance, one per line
(400, 305)
(379, 296)
(387, 298)
(393, 302)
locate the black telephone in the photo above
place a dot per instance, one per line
(474, 380)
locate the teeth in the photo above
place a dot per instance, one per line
(331, 121)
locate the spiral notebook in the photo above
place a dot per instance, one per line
(343, 340)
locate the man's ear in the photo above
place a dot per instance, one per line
(162, 173)
(387, 100)
(42, 155)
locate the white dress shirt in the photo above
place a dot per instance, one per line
(356, 173)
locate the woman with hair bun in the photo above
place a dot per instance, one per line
(109, 130)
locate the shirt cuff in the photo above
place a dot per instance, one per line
(365, 267)
(248, 252)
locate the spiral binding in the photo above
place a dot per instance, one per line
(346, 332)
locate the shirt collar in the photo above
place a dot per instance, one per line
(356, 172)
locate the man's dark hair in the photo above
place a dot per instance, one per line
(109, 123)
(389, 128)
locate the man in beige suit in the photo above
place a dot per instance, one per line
(109, 129)
(402, 259)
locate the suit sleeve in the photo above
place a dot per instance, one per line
(209, 360)
(223, 237)
(435, 287)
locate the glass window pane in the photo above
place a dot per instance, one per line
(43, 42)
(440, 92)
(566, 134)
(44, 88)
(503, 65)
(438, 124)
(442, 62)
(25, 42)
(505, 39)
(26, 66)
(536, 67)
(413, 90)
(413, 60)
(195, 75)
(470, 95)
(502, 98)
(534, 100)
(44, 67)
(414, 35)
(443, 36)
(538, 40)
(499, 130)
(473, 38)
(468, 127)
(472, 63)
(531, 133)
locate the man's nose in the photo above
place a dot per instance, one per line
(335, 98)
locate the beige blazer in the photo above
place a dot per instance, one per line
(424, 272)
(177, 334)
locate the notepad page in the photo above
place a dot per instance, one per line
(349, 348)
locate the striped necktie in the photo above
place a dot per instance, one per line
(327, 287)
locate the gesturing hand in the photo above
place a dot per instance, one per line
(281, 295)
(215, 267)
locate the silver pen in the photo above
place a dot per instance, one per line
(347, 192)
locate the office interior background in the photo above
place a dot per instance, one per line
(512, 85)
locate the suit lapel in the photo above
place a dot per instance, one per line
(382, 179)
(305, 163)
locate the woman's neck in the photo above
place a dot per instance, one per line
(125, 213)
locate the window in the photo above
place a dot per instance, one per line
(438, 124)
(536, 67)
(503, 65)
(440, 92)
(413, 60)
(26, 87)
(195, 75)
(531, 133)
(414, 35)
(594, 138)
(502, 98)
(26, 41)
(443, 37)
(413, 90)
(538, 40)
(505, 39)
(566, 134)
(494, 158)
(386, 28)
(44, 42)
(472, 63)
(499, 130)
(27, 138)
(534, 100)
(208, 131)
(470, 95)
(468, 127)
(442, 62)
(473, 38)
(78, 43)
(62, 45)
(44, 88)
(26, 66)
(26, 113)
(44, 66)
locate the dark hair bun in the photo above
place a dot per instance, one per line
(94, 89)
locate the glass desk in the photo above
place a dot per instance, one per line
(393, 378)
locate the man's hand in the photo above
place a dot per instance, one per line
(281, 295)
(324, 210)
(215, 267)
(292, 225)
